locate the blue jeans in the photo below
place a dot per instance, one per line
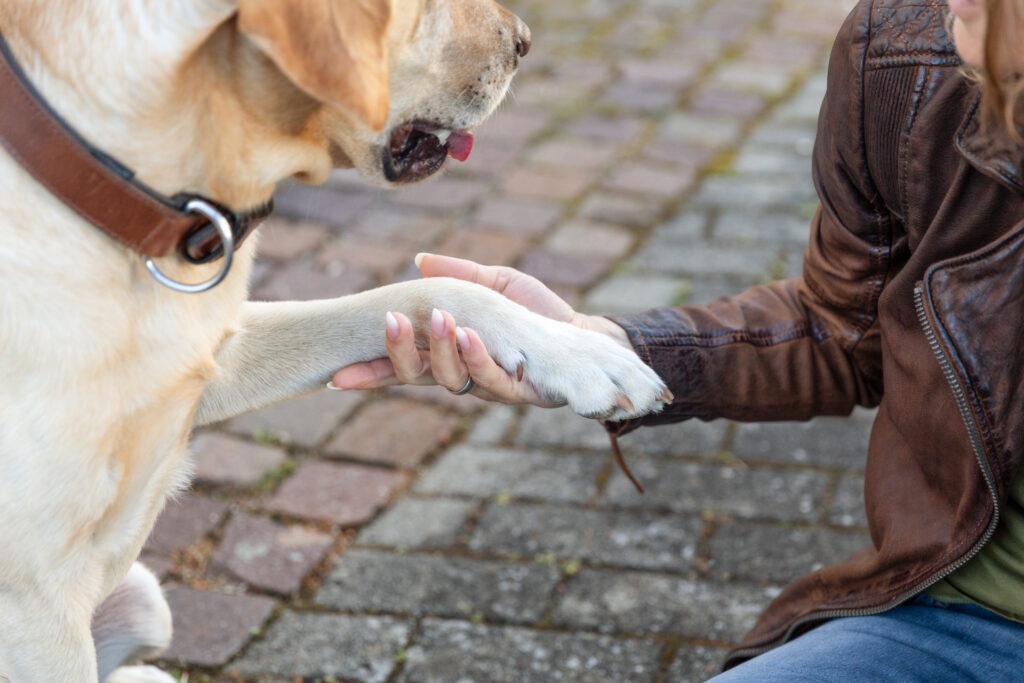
(923, 640)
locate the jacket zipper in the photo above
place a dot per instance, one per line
(979, 453)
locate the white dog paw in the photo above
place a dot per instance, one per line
(594, 375)
(140, 674)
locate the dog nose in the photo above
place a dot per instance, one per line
(522, 39)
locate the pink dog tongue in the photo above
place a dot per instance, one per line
(460, 144)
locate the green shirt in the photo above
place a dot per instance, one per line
(994, 578)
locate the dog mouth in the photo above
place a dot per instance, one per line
(418, 150)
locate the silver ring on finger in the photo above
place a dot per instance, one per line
(466, 388)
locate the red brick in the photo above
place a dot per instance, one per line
(564, 269)
(300, 281)
(225, 460)
(267, 555)
(521, 217)
(548, 182)
(183, 522)
(348, 495)
(211, 628)
(395, 432)
(483, 247)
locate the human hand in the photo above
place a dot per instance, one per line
(455, 354)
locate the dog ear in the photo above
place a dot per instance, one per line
(335, 50)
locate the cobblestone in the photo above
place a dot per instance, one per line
(438, 586)
(654, 152)
(460, 651)
(319, 645)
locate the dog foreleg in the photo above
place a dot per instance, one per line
(285, 349)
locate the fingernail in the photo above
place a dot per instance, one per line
(419, 257)
(462, 338)
(391, 324)
(332, 387)
(437, 324)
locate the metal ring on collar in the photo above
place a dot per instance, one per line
(466, 388)
(227, 239)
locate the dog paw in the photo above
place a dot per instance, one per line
(140, 674)
(597, 377)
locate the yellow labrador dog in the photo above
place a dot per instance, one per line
(109, 356)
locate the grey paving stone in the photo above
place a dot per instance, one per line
(210, 628)
(484, 472)
(763, 78)
(706, 289)
(268, 555)
(419, 523)
(828, 441)
(561, 428)
(797, 138)
(493, 426)
(750, 191)
(742, 227)
(848, 502)
(620, 209)
(229, 461)
(365, 580)
(635, 539)
(699, 260)
(314, 646)
(743, 492)
(590, 239)
(695, 664)
(634, 602)
(769, 553)
(632, 293)
(756, 161)
(447, 651)
(705, 130)
(693, 438)
(305, 421)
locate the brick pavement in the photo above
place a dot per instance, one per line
(653, 152)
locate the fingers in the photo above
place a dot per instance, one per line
(492, 381)
(376, 373)
(405, 364)
(411, 365)
(445, 363)
(455, 355)
(492, 277)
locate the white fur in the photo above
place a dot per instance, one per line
(103, 372)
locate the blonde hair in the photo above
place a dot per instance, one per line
(1002, 93)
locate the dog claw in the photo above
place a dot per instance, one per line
(666, 396)
(519, 372)
(623, 402)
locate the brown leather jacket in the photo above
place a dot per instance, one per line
(911, 299)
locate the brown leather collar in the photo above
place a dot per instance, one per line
(101, 189)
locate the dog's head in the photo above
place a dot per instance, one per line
(390, 87)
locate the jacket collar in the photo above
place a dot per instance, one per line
(995, 157)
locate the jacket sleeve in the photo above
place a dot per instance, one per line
(804, 346)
